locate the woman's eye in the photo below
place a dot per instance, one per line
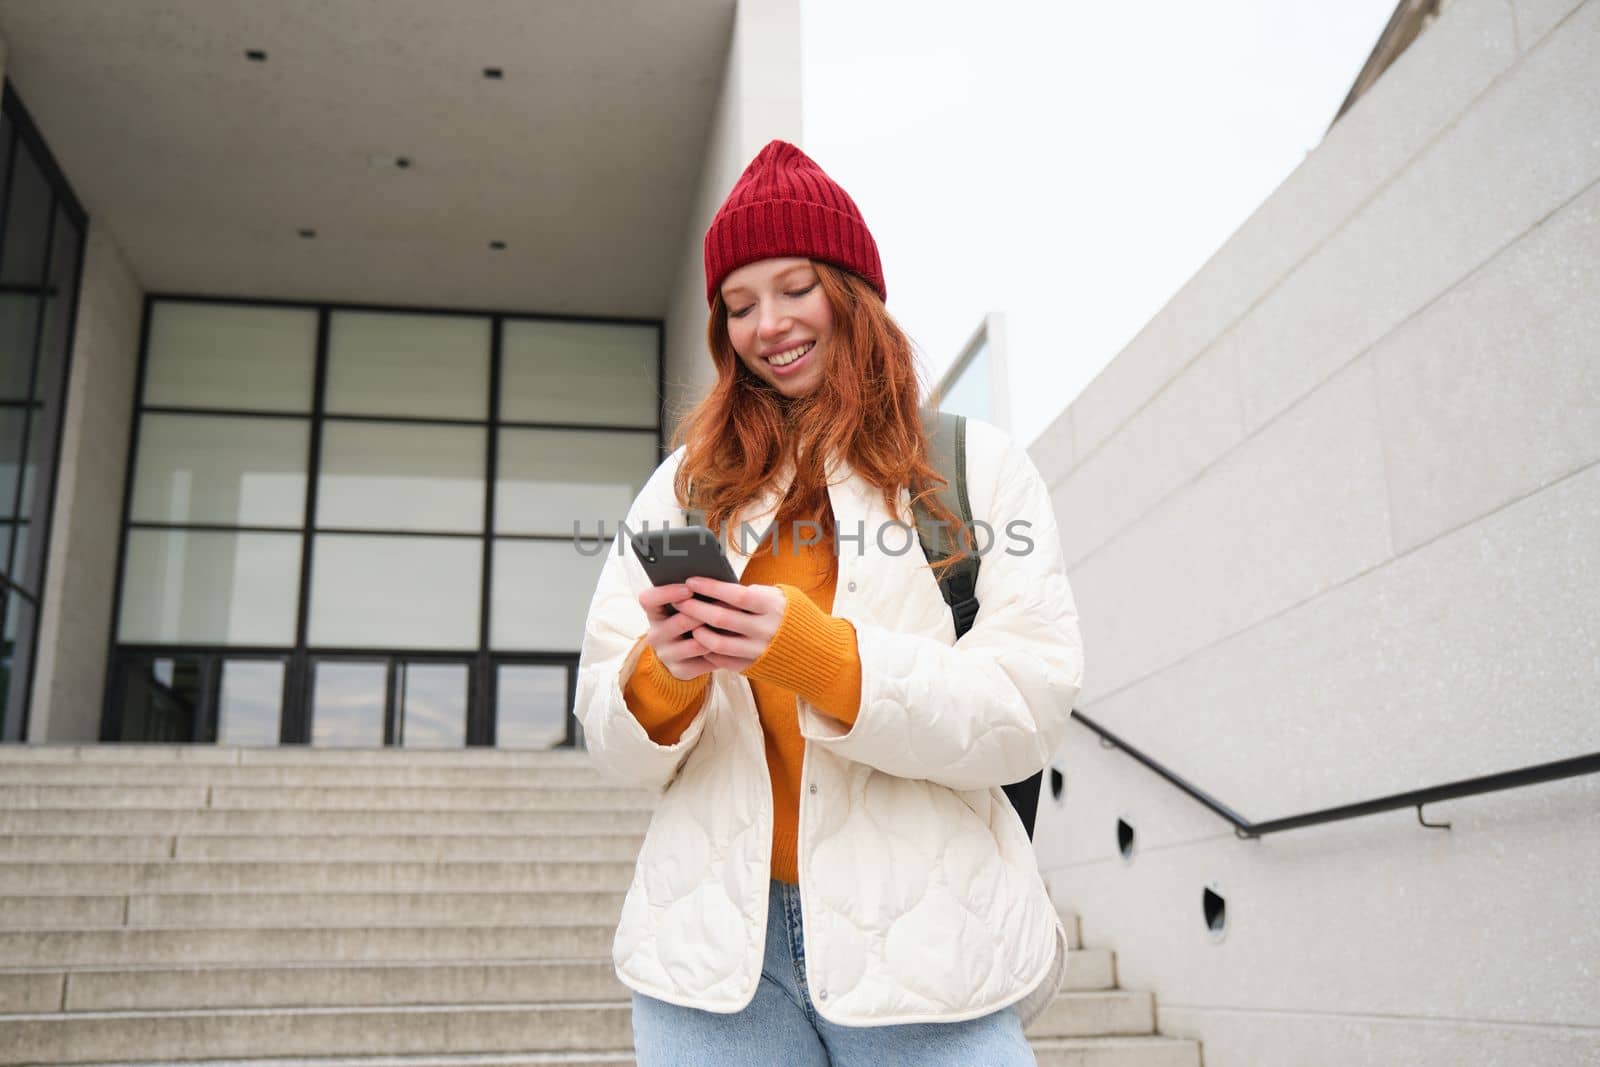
(741, 313)
(802, 292)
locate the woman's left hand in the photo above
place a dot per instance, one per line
(750, 613)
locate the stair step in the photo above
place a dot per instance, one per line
(1116, 1052)
(315, 798)
(295, 820)
(481, 1059)
(288, 985)
(208, 755)
(198, 944)
(573, 776)
(1075, 1052)
(248, 909)
(261, 1032)
(551, 845)
(429, 1028)
(298, 907)
(1111, 1012)
(183, 876)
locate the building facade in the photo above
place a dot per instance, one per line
(337, 435)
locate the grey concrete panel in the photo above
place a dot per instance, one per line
(1471, 193)
(1471, 655)
(1295, 510)
(1194, 420)
(1494, 390)
(1423, 92)
(1239, 1037)
(1493, 920)
(1536, 18)
(1052, 451)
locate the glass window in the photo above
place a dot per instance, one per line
(60, 298)
(433, 704)
(209, 587)
(395, 363)
(13, 427)
(230, 356)
(579, 372)
(250, 702)
(531, 705)
(378, 476)
(20, 619)
(19, 326)
(348, 703)
(969, 393)
(241, 471)
(27, 224)
(547, 479)
(161, 698)
(19, 553)
(542, 591)
(395, 591)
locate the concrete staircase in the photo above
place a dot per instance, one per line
(312, 908)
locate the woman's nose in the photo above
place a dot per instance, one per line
(773, 326)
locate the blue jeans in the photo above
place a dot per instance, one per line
(781, 1026)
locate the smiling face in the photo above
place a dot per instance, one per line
(780, 323)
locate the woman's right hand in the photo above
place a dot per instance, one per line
(683, 657)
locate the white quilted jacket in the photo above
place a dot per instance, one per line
(920, 892)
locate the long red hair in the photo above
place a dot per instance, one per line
(866, 409)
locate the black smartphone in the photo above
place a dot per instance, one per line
(678, 553)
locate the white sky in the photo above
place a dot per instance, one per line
(1068, 164)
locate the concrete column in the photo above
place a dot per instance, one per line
(75, 627)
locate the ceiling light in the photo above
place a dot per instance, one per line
(497, 245)
(493, 73)
(308, 234)
(256, 55)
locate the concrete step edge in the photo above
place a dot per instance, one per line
(375, 1010)
(210, 966)
(353, 835)
(619, 1057)
(1132, 1041)
(331, 928)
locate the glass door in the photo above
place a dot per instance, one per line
(371, 701)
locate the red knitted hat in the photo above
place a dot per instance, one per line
(785, 205)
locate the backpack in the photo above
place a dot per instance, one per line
(947, 440)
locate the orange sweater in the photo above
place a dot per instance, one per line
(813, 654)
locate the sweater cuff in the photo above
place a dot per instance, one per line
(663, 703)
(814, 655)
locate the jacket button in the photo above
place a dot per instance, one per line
(822, 995)
(851, 587)
(813, 790)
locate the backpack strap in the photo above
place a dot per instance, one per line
(947, 441)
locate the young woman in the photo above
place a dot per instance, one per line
(833, 874)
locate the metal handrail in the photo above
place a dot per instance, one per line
(1244, 828)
